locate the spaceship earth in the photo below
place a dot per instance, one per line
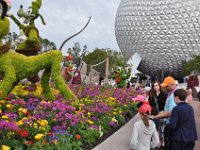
(165, 33)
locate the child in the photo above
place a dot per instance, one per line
(182, 123)
(144, 134)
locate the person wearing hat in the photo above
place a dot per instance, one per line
(138, 98)
(144, 134)
(169, 84)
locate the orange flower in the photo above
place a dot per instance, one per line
(44, 142)
(29, 142)
(55, 141)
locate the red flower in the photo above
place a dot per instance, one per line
(28, 114)
(77, 136)
(23, 133)
(50, 134)
(118, 80)
(44, 142)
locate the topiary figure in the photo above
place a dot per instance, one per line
(69, 69)
(121, 73)
(32, 44)
(4, 27)
(76, 77)
(15, 67)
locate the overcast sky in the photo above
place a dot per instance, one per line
(66, 17)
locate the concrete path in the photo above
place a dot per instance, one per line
(120, 140)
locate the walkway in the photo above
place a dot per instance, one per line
(120, 140)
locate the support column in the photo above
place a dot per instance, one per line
(90, 74)
(107, 70)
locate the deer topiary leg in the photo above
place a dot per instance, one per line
(60, 82)
(7, 84)
(45, 84)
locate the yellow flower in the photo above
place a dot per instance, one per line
(43, 123)
(90, 122)
(112, 98)
(114, 113)
(89, 113)
(35, 125)
(8, 106)
(2, 101)
(38, 136)
(114, 120)
(4, 117)
(19, 123)
(0, 111)
(23, 110)
(5, 147)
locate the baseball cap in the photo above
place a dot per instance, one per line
(168, 80)
(145, 108)
(139, 98)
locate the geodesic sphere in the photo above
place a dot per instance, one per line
(164, 32)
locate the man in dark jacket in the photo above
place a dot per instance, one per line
(182, 123)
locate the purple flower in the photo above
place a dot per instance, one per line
(37, 116)
(68, 116)
(70, 108)
(12, 116)
(58, 128)
(8, 126)
(94, 118)
(94, 127)
(113, 124)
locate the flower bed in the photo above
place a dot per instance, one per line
(28, 121)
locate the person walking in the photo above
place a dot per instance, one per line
(182, 123)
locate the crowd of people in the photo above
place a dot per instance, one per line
(166, 118)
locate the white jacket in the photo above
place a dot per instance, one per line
(144, 138)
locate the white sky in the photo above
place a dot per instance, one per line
(66, 17)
